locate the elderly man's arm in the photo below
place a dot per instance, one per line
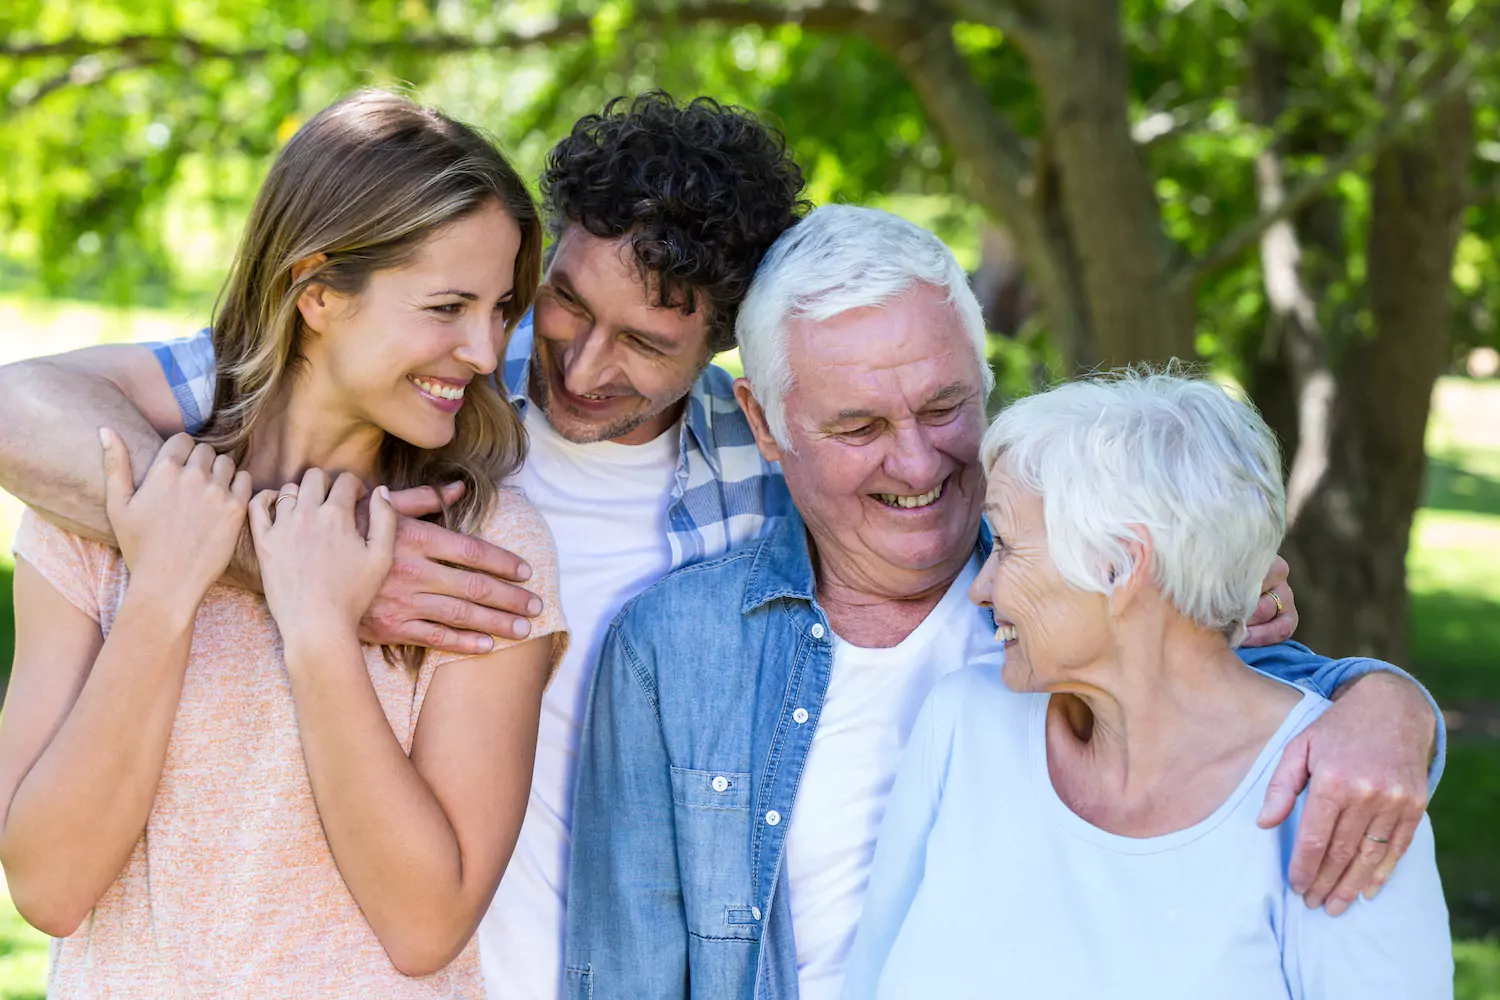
(1370, 764)
(51, 410)
(627, 927)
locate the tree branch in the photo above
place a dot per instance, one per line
(1016, 17)
(1395, 125)
(144, 50)
(817, 15)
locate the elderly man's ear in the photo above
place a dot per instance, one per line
(757, 417)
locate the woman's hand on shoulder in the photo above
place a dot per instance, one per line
(319, 569)
(179, 529)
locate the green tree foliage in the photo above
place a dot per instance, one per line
(1255, 181)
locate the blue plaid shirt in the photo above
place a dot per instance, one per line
(725, 494)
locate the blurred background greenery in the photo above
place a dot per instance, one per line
(1303, 194)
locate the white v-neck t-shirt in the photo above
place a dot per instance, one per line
(607, 506)
(873, 699)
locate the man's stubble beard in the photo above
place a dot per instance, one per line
(539, 390)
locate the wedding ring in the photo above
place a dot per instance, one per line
(285, 496)
(1272, 595)
(1378, 840)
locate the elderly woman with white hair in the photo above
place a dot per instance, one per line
(1078, 818)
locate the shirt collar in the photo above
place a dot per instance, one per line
(783, 565)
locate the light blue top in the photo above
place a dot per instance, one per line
(986, 884)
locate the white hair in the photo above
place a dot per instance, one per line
(839, 258)
(1198, 469)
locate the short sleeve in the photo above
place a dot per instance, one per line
(517, 526)
(75, 567)
(188, 364)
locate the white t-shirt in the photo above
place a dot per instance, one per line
(873, 699)
(986, 883)
(607, 506)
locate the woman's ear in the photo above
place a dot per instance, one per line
(1130, 580)
(316, 303)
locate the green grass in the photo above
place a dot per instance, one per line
(1453, 573)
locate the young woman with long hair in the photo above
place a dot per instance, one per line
(206, 792)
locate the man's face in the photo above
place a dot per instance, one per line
(608, 365)
(885, 416)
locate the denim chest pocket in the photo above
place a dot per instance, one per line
(712, 818)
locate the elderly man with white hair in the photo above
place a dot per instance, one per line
(748, 713)
(1066, 810)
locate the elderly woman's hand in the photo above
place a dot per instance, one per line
(1365, 766)
(1275, 617)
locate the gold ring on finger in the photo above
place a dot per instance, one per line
(1273, 596)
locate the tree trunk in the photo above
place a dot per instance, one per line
(1348, 542)
(1091, 170)
(995, 166)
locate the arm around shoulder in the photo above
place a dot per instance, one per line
(51, 410)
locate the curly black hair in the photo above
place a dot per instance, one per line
(701, 189)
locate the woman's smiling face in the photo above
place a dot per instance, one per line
(401, 354)
(1048, 626)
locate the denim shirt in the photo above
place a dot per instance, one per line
(708, 692)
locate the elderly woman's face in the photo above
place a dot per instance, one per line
(1048, 627)
(885, 417)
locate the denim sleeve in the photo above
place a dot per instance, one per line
(1296, 664)
(188, 364)
(626, 925)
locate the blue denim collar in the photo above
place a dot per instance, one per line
(783, 566)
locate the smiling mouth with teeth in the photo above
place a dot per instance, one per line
(907, 503)
(1006, 633)
(438, 389)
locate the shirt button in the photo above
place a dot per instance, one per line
(818, 630)
(799, 716)
(773, 818)
(720, 783)
(755, 912)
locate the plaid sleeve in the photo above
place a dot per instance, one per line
(189, 366)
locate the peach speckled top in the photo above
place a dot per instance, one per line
(232, 890)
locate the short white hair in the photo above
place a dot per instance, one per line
(1197, 468)
(842, 257)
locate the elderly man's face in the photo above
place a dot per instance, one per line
(885, 417)
(1048, 627)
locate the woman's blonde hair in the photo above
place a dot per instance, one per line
(366, 183)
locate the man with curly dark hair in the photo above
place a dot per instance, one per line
(661, 213)
(640, 458)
